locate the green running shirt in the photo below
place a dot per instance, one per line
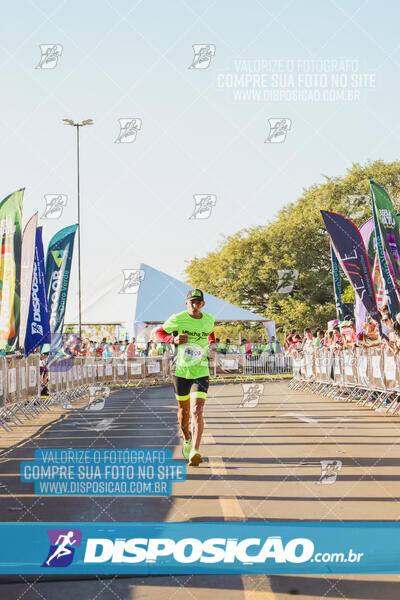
(192, 358)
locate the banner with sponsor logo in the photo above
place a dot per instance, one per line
(337, 285)
(200, 548)
(386, 268)
(368, 236)
(388, 223)
(58, 270)
(10, 268)
(38, 325)
(352, 255)
(27, 259)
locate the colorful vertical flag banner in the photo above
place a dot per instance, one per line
(27, 260)
(38, 324)
(368, 235)
(58, 270)
(379, 284)
(337, 285)
(388, 223)
(10, 268)
(387, 272)
(352, 255)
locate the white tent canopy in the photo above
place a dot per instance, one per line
(161, 295)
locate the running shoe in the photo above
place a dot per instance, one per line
(195, 458)
(186, 448)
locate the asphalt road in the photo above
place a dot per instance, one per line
(262, 462)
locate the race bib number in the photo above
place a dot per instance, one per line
(194, 352)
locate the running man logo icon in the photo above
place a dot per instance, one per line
(357, 205)
(203, 54)
(36, 328)
(329, 471)
(203, 205)
(252, 393)
(63, 543)
(278, 129)
(132, 281)
(50, 55)
(287, 277)
(55, 204)
(128, 129)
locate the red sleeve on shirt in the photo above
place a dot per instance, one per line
(211, 338)
(164, 336)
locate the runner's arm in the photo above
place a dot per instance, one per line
(163, 336)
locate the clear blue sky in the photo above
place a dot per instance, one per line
(130, 59)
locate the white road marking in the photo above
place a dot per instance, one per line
(311, 420)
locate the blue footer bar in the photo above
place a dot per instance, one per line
(179, 548)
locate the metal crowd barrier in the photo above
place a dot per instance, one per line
(369, 376)
(242, 364)
(64, 379)
(19, 390)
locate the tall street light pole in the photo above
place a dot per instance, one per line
(78, 125)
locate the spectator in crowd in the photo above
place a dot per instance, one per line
(131, 349)
(249, 348)
(319, 338)
(395, 344)
(265, 349)
(289, 338)
(330, 339)
(152, 350)
(371, 337)
(107, 351)
(348, 332)
(307, 340)
(337, 337)
(387, 323)
(275, 346)
(228, 346)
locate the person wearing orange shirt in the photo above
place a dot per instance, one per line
(131, 349)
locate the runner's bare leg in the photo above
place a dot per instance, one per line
(184, 417)
(197, 421)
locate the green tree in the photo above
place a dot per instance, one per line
(244, 268)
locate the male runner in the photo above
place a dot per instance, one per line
(191, 331)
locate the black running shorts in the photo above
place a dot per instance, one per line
(184, 388)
